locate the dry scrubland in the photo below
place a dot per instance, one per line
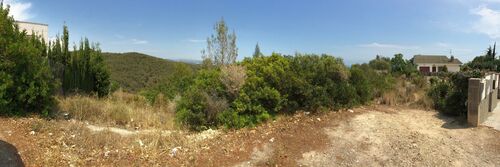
(125, 130)
(408, 94)
(263, 95)
(372, 135)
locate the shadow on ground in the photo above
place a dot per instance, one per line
(9, 156)
(451, 122)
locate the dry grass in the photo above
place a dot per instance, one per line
(120, 109)
(62, 143)
(409, 93)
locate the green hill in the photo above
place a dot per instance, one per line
(135, 71)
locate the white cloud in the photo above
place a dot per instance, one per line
(387, 46)
(442, 44)
(492, 1)
(19, 10)
(195, 40)
(488, 23)
(139, 42)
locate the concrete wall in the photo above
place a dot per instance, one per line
(482, 98)
(39, 29)
(451, 67)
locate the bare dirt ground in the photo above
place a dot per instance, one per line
(494, 120)
(368, 136)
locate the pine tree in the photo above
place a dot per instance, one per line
(221, 48)
(494, 50)
(257, 52)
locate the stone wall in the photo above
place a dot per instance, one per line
(482, 98)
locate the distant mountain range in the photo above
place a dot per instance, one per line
(134, 71)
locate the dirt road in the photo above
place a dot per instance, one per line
(371, 136)
(406, 138)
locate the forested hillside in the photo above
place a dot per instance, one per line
(135, 71)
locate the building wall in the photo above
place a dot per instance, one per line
(482, 98)
(451, 67)
(39, 29)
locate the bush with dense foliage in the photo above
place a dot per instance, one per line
(361, 82)
(449, 90)
(401, 66)
(320, 81)
(203, 101)
(31, 71)
(263, 86)
(449, 93)
(487, 62)
(381, 63)
(25, 77)
(172, 85)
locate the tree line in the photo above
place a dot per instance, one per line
(240, 94)
(32, 70)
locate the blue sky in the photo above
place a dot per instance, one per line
(355, 30)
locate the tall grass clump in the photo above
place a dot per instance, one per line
(119, 109)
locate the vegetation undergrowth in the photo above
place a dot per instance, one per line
(32, 71)
(259, 88)
(119, 109)
(25, 77)
(223, 92)
(449, 91)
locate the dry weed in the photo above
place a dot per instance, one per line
(407, 93)
(233, 77)
(119, 109)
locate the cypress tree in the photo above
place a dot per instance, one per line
(257, 52)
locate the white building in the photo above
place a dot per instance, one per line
(435, 63)
(38, 28)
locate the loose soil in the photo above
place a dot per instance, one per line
(366, 136)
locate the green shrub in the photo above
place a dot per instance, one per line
(317, 81)
(231, 119)
(274, 85)
(175, 84)
(202, 102)
(381, 63)
(449, 94)
(25, 77)
(400, 66)
(259, 97)
(191, 111)
(364, 89)
(256, 102)
(438, 93)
